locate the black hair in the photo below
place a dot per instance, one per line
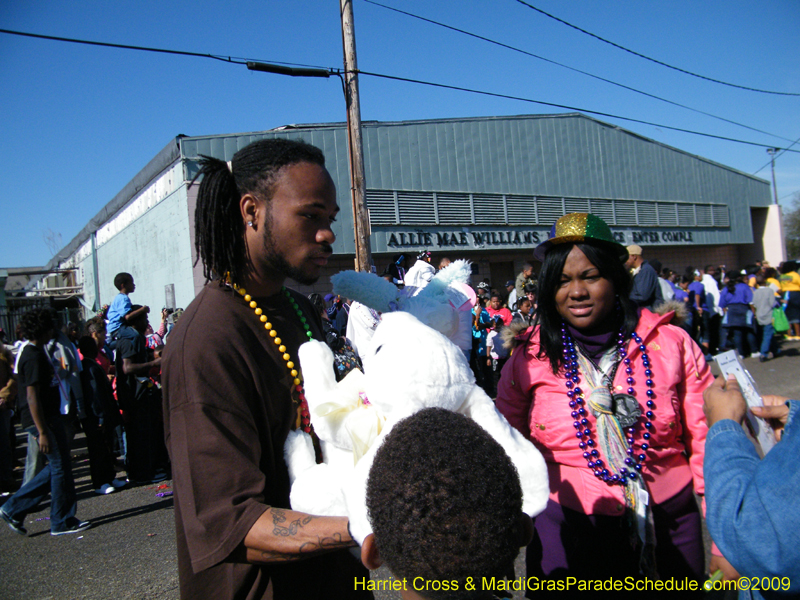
(219, 229)
(88, 347)
(788, 266)
(548, 319)
(36, 323)
(317, 302)
(444, 501)
(656, 264)
(738, 276)
(121, 279)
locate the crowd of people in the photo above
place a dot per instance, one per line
(101, 378)
(600, 360)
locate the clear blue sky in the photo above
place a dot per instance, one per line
(78, 122)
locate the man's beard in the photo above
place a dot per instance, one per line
(278, 261)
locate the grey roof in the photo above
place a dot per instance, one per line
(543, 155)
(562, 154)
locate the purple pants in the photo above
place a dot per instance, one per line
(568, 542)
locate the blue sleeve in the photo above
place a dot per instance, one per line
(752, 504)
(644, 285)
(724, 296)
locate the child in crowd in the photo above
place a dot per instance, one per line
(496, 351)
(121, 310)
(102, 417)
(445, 505)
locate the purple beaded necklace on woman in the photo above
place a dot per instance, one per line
(583, 427)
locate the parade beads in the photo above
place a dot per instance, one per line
(297, 384)
(634, 460)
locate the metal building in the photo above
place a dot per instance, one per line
(487, 189)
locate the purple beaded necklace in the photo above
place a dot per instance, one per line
(587, 444)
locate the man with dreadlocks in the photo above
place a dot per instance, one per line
(232, 386)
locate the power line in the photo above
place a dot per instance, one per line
(621, 85)
(566, 107)
(782, 150)
(658, 62)
(396, 78)
(228, 59)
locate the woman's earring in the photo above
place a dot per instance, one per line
(249, 223)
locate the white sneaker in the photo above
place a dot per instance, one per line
(755, 354)
(119, 483)
(104, 489)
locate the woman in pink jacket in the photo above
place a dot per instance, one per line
(613, 400)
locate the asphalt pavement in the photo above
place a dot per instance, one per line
(130, 550)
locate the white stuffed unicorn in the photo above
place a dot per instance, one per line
(408, 366)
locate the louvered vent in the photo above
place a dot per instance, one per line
(572, 205)
(646, 213)
(489, 210)
(603, 209)
(549, 210)
(703, 212)
(721, 216)
(521, 210)
(382, 209)
(626, 212)
(686, 215)
(457, 208)
(416, 208)
(454, 209)
(667, 214)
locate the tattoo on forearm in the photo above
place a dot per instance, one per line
(279, 517)
(327, 543)
(334, 542)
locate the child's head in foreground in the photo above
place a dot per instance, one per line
(445, 504)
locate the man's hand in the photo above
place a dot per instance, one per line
(282, 535)
(723, 400)
(44, 443)
(775, 411)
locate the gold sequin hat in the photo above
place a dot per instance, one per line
(578, 228)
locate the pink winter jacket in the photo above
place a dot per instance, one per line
(535, 402)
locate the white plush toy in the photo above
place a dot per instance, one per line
(408, 366)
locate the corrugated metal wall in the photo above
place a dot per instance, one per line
(543, 155)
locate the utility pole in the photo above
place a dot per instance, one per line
(355, 147)
(772, 152)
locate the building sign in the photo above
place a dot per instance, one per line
(464, 239)
(471, 239)
(652, 237)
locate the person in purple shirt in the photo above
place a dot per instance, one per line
(736, 298)
(697, 295)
